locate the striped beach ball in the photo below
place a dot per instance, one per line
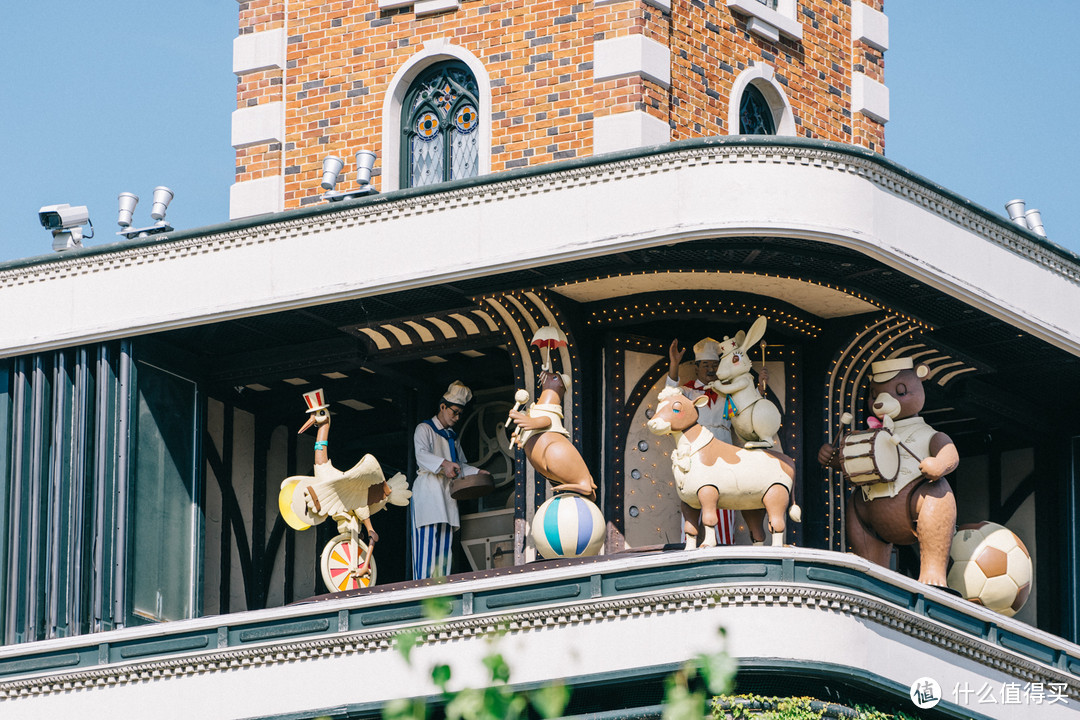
(568, 525)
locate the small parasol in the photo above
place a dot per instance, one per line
(547, 338)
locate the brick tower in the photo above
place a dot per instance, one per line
(446, 89)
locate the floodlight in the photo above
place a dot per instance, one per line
(1016, 212)
(162, 197)
(128, 201)
(365, 161)
(1034, 221)
(331, 168)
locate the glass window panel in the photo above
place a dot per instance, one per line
(755, 116)
(464, 144)
(164, 505)
(427, 159)
(439, 126)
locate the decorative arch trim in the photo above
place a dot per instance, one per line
(434, 51)
(763, 78)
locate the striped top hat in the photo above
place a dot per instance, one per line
(315, 400)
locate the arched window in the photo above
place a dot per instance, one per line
(440, 127)
(755, 115)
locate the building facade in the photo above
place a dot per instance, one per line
(629, 172)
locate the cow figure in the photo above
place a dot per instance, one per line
(711, 474)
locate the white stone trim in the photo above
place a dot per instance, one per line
(784, 18)
(434, 51)
(257, 197)
(632, 129)
(258, 124)
(394, 4)
(869, 97)
(762, 77)
(844, 627)
(869, 26)
(757, 26)
(632, 55)
(802, 192)
(259, 51)
(431, 7)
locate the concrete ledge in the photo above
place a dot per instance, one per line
(623, 131)
(869, 97)
(256, 197)
(869, 26)
(787, 25)
(259, 51)
(258, 124)
(632, 55)
(430, 7)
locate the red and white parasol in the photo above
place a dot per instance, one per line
(547, 338)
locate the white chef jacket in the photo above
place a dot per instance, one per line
(431, 501)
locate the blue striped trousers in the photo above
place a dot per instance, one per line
(431, 550)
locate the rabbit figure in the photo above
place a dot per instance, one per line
(754, 419)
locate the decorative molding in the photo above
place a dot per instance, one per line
(761, 76)
(476, 194)
(865, 608)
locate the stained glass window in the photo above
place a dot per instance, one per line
(440, 125)
(755, 115)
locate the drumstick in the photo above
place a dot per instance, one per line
(895, 440)
(845, 419)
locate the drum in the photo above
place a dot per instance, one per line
(471, 486)
(870, 456)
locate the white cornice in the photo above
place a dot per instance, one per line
(588, 210)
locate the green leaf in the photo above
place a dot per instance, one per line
(718, 670)
(550, 700)
(467, 704)
(405, 709)
(682, 704)
(436, 608)
(500, 671)
(440, 675)
(405, 641)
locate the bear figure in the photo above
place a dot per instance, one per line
(918, 505)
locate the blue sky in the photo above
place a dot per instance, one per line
(984, 101)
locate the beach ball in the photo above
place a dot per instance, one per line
(989, 565)
(568, 525)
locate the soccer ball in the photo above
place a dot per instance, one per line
(990, 566)
(568, 525)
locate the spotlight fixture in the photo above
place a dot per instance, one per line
(127, 201)
(1015, 208)
(332, 167)
(65, 222)
(1034, 222)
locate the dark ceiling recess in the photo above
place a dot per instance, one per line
(1020, 371)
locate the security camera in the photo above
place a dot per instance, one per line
(63, 216)
(65, 222)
